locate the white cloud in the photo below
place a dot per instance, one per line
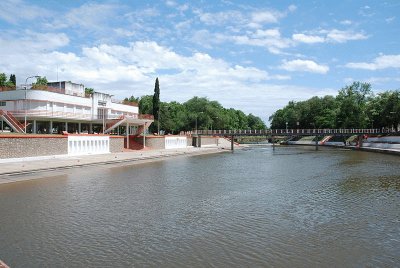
(221, 18)
(270, 39)
(88, 16)
(14, 11)
(131, 70)
(338, 36)
(304, 66)
(292, 8)
(346, 22)
(328, 36)
(381, 62)
(390, 19)
(266, 16)
(170, 3)
(308, 39)
(366, 11)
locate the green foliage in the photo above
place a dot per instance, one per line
(41, 81)
(351, 102)
(146, 104)
(156, 99)
(13, 79)
(10, 83)
(156, 107)
(355, 106)
(89, 91)
(131, 99)
(176, 117)
(3, 79)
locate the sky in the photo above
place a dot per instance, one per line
(251, 55)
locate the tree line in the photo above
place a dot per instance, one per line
(8, 83)
(355, 106)
(201, 113)
(175, 117)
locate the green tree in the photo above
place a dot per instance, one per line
(384, 110)
(352, 101)
(146, 104)
(131, 99)
(156, 107)
(89, 91)
(3, 79)
(156, 99)
(255, 122)
(13, 79)
(41, 83)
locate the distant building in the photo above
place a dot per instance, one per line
(64, 106)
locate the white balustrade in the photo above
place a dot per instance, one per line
(175, 142)
(85, 144)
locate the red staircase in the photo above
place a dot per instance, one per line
(12, 121)
(133, 144)
(111, 124)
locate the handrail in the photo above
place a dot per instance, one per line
(14, 120)
(325, 131)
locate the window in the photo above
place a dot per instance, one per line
(2, 103)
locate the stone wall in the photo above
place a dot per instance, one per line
(208, 141)
(15, 146)
(153, 142)
(204, 140)
(116, 144)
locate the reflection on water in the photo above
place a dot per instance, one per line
(252, 208)
(366, 184)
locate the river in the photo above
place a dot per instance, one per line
(292, 207)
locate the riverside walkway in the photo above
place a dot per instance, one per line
(22, 169)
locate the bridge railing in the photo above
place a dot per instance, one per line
(262, 132)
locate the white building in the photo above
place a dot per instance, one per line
(63, 106)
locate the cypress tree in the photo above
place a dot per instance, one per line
(156, 100)
(13, 80)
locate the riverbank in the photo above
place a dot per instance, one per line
(22, 169)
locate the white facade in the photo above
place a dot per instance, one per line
(49, 104)
(45, 110)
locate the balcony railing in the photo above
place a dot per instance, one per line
(76, 115)
(146, 116)
(51, 114)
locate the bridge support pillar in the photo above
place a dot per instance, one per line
(232, 143)
(316, 143)
(273, 143)
(360, 141)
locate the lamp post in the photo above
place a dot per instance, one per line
(197, 135)
(212, 123)
(286, 127)
(26, 88)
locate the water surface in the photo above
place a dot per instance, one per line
(252, 208)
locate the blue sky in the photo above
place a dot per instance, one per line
(249, 55)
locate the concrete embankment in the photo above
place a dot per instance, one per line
(384, 144)
(32, 168)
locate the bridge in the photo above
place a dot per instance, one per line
(271, 133)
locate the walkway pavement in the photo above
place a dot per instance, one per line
(13, 170)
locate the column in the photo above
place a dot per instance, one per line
(51, 127)
(144, 135)
(66, 126)
(90, 128)
(127, 135)
(79, 127)
(34, 127)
